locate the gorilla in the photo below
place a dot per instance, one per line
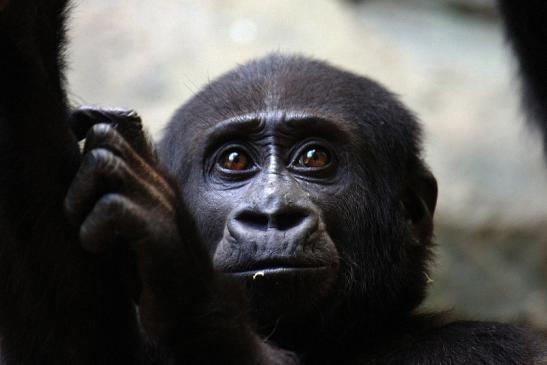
(286, 217)
(303, 184)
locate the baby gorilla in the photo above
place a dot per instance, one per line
(291, 221)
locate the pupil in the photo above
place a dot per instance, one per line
(315, 157)
(312, 155)
(235, 160)
(233, 157)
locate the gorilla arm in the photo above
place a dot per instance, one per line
(39, 154)
(57, 303)
(188, 310)
(526, 30)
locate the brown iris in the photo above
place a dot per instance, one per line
(315, 157)
(235, 160)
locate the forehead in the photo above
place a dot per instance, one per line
(280, 121)
(295, 85)
(290, 94)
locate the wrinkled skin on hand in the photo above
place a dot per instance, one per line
(120, 198)
(122, 201)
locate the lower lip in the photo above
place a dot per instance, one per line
(278, 271)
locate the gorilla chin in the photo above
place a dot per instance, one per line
(285, 291)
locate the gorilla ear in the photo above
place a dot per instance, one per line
(420, 201)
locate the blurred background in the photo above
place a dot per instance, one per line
(446, 59)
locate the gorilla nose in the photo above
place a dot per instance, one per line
(282, 221)
(293, 221)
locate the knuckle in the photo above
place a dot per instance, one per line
(69, 208)
(68, 204)
(107, 136)
(91, 240)
(114, 207)
(101, 130)
(112, 202)
(104, 135)
(103, 158)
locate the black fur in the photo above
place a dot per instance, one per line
(527, 32)
(58, 304)
(279, 263)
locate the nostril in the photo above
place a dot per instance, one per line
(282, 220)
(253, 220)
(289, 219)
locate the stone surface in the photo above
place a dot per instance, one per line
(450, 66)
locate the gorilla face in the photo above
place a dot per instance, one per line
(272, 174)
(306, 185)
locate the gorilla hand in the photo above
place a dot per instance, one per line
(117, 194)
(126, 122)
(119, 200)
(123, 201)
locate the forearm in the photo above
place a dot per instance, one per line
(37, 150)
(57, 303)
(526, 30)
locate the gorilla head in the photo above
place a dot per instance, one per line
(307, 184)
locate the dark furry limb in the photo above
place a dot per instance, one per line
(57, 303)
(527, 32)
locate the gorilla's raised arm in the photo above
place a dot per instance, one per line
(58, 305)
(39, 153)
(527, 31)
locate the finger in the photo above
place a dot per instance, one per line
(84, 117)
(101, 172)
(126, 122)
(104, 136)
(113, 219)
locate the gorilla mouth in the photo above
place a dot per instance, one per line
(283, 286)
(279, 277)
(277, 271)
(276, 267)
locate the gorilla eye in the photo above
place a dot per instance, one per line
(314, 157)
(235, 159)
